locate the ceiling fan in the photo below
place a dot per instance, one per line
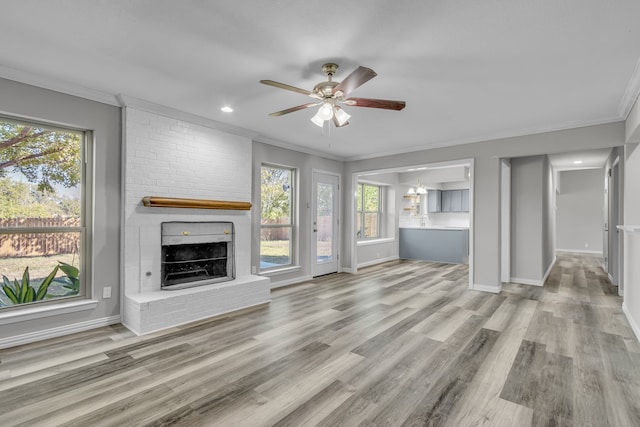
(332, 95)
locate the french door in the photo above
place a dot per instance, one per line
(325, 223)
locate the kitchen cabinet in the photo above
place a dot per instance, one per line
(434, 201)
(449, 245)
(446, 201)
(465, 200)
(450, 201)
(456, 200)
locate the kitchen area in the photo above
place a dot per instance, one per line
(434, 214)
(425, 214)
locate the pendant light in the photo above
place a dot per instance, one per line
(419, 189)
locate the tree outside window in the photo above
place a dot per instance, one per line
(276, 217)
(41, 215)
(368, 202)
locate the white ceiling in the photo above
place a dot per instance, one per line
(469, 70)
(589, 159)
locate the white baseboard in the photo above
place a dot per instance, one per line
(544, 278)
(526, 281)
(346, 270)
(534, 282)
(57, 332)
(632, 322)
(487, 288)
(377, 261)
(580, 251)
(294, 281)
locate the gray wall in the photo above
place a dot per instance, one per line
(20, 100)
(486, 238)
(527, 218)
(532, 219)
(580, 210)
(632, 181)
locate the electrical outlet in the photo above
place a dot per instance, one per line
(106, 292)
(253, 269)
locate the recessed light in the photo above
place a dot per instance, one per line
(577, 162)
(227, 109)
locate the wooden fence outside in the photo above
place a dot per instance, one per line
(38, 244)
(324, 224)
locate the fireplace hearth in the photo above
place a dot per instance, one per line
(196, 254)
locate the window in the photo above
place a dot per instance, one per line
(276, 217)
(369, 211)
(42, 214)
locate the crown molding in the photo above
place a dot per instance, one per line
(631, 93)
(486, 138)
(293, 147)
(150, 107)
(57, 85)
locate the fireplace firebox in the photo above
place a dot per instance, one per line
(196, 253)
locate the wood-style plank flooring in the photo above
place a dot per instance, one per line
(401, 343)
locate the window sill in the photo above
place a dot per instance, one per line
(375, 241)
(279, 271)
(49, 310)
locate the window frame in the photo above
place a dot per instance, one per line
(293, 209)
(85, 228)
(360, 212)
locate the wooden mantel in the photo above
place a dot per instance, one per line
(169, 202)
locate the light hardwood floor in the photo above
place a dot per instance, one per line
(402, 343)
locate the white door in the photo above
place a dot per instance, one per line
(325, 223)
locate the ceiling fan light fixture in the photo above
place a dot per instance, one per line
(317, 120)
(330, 94)
(326, 111)
(342, 116)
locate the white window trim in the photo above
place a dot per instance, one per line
(280, 271)
(293, 265)
(83, 301)
(369, 242)
(46, 310)
(380, 212)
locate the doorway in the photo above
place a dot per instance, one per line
(614, 238)
(325, 257)
(404, 210)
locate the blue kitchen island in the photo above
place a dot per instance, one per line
(439, 244)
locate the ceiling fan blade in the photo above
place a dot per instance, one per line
(375, 103)
(354, 80)
(337, 123)
(291, 88)
(292, 109)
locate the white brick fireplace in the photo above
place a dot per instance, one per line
(168, 157)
